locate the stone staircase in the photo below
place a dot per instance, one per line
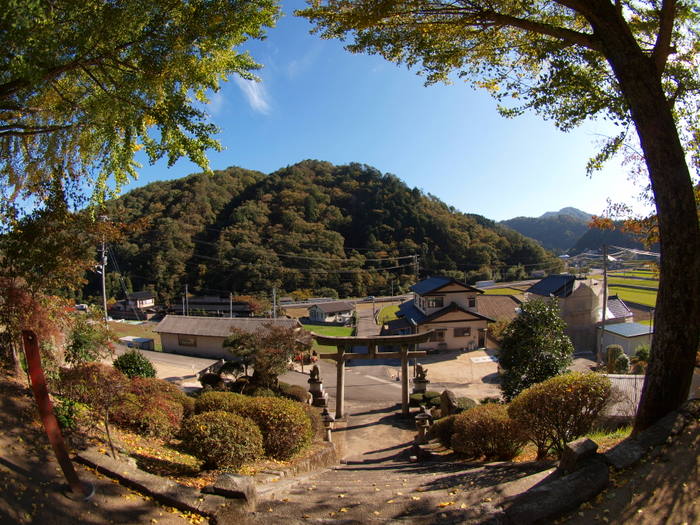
(386, 486)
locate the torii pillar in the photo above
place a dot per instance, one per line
(342, 355)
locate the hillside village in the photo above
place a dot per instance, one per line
(251, 273)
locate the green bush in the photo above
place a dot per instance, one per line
(561, 409)
(317, 428)
(134, 364)
(261, 391)
(442, 430)
(488, 431)
(415, 400)
(465, 403)
(431, 394)
(295, 392)
(622, 364)
(612, 353)
(221, 439)
(285, 425)
(227, 401)
(66, 412)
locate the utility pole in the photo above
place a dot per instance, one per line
(417, 266)
(230, 304)
(103, 256)
(183, 305)
(605, 297)
(187, 301)
(274, 303)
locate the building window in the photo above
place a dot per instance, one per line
(463, 332)
(186, 340)
(438, 336)
(436, 302)
(472, 302)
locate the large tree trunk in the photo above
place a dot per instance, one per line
(677, 319)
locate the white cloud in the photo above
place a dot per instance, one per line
(255, 93)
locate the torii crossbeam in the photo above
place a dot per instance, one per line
(343, 344)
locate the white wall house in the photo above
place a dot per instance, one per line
(333, 312)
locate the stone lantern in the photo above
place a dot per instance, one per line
(328, 421)
(423, 420)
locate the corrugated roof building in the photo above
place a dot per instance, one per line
(204, 336)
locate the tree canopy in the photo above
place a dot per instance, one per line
(534, 347)
(85, 85)
(309, 226)
(634, 62)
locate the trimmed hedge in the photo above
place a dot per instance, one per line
(561, 409)
(134, 364)
(228, 401)
(488, 431)
(285, 425)
(442, 430)
(295, 392)
(222, 439)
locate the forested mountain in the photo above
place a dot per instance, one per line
(349, 230)
(595, 238)
(557, 232)
(568, 231)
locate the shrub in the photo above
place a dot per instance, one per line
(442, 430)
(642, 353)
(153, 407)
(66, 412)
(94, 384)
(227, 401)
(612, 353)
(415, 400)
(285, 425)
(560, 409)
(317, 428)
(261, 391)
(622, 364)
(213, 381)
(221, 439)
(487, 430)
(295, 392)
(431, 394)
(490, 399)
(134, 364)
(465, 403)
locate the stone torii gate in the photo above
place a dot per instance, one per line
(343, 344)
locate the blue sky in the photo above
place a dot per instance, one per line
(317, 101)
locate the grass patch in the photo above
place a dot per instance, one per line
(333, 331)
(606, 439)
(386, 314)
(633, 282)
(503, 291)
(645, 297)
(137, 330)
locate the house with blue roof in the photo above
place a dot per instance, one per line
(448, 307)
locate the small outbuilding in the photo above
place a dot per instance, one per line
(628, 335)
(333, 312)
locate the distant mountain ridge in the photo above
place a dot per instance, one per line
(570, 212)
(555, 230)
(568, 231)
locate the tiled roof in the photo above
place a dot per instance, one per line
(617, 308)
(395, 326)
(433, 283)
(409, 311)
(560, 285)
(498, 306)
(628, 329)
(145, 294)
(218, 326)
(334, 307)
(453, 307)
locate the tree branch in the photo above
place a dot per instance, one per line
(479, 17)
(662, 47)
